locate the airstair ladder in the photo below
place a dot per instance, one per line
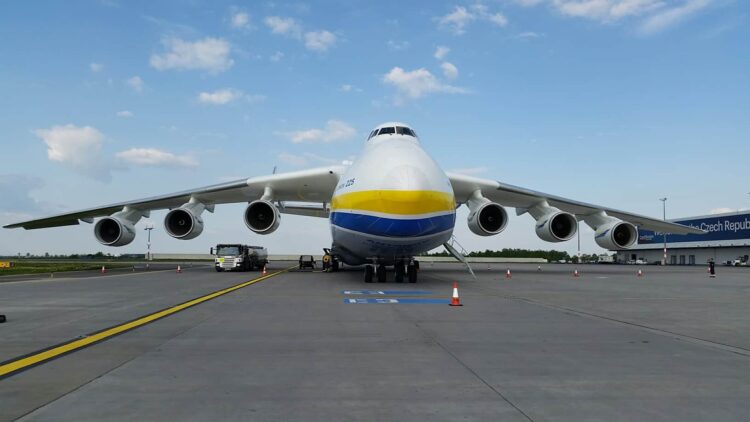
(454, 248)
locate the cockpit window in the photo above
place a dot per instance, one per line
(387, 130)
(372, 134)
(404, 131)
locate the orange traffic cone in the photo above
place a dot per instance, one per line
(508, 274)
(640, 273)
(455, 301)
(576, 273)
(104, 270)
(264, 270)
(179, 269)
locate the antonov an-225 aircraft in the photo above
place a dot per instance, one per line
(392, 204)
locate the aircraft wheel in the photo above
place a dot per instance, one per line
(400, 270)
(381, 273)
(411, 273)
(369, 270)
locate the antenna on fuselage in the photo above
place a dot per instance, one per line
(274, 170)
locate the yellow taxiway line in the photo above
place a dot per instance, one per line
(21, 363)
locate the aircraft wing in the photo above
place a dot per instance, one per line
(522, 199)
(311, 186)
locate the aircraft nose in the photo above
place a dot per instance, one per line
(407, 177)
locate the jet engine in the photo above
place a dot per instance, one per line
(262, 217)
(184, 223)
(616, 235)
(114, 231)
(557, 226)
(486, 218)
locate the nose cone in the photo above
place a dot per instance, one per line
(406, 166)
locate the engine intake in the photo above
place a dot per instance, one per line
(488, 219)
(616, 235)
(262, 217)
(113, 231)
(556, 226)
(183, 223)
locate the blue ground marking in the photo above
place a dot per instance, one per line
(388, 301)
(386, 292)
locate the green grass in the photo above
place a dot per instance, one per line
(54, 267)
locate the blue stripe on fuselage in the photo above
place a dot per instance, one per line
(393, 227)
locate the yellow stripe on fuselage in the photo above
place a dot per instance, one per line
(405, 202)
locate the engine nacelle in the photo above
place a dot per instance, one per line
(183, 223)
(616, 235)
(113, 231)
(262, 217)
(557, 226)
(487, 219)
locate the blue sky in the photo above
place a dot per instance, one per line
(615, 102)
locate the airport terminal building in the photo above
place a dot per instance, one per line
(727, 239)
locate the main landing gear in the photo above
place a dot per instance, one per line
(404, 271)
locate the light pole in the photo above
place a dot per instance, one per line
(664, 217)
(148, 228)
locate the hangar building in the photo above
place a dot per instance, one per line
(727, 239)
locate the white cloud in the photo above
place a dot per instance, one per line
(449, 70)
(349, 88)
(528, 34)
(397, 45)
(469, 171)
(457, 20)
(441, 52)
(221, 96)
(96, 67)
(136, 83)
(277, 56)
(498, 19)
(668, 17)
(319, 40)
(240, 20)
(78, 148)
(210, 54)
(125, 113)
(651, 15)
(284, 26)
(152, 157)
(335, 130)
(417, 83)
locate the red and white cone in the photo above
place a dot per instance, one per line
(179, 269)
(104, 269)
(264, 270)
(576, 273)
(455, 301)
(508, 274)
(640, 273)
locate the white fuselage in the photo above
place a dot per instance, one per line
(393, 203)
